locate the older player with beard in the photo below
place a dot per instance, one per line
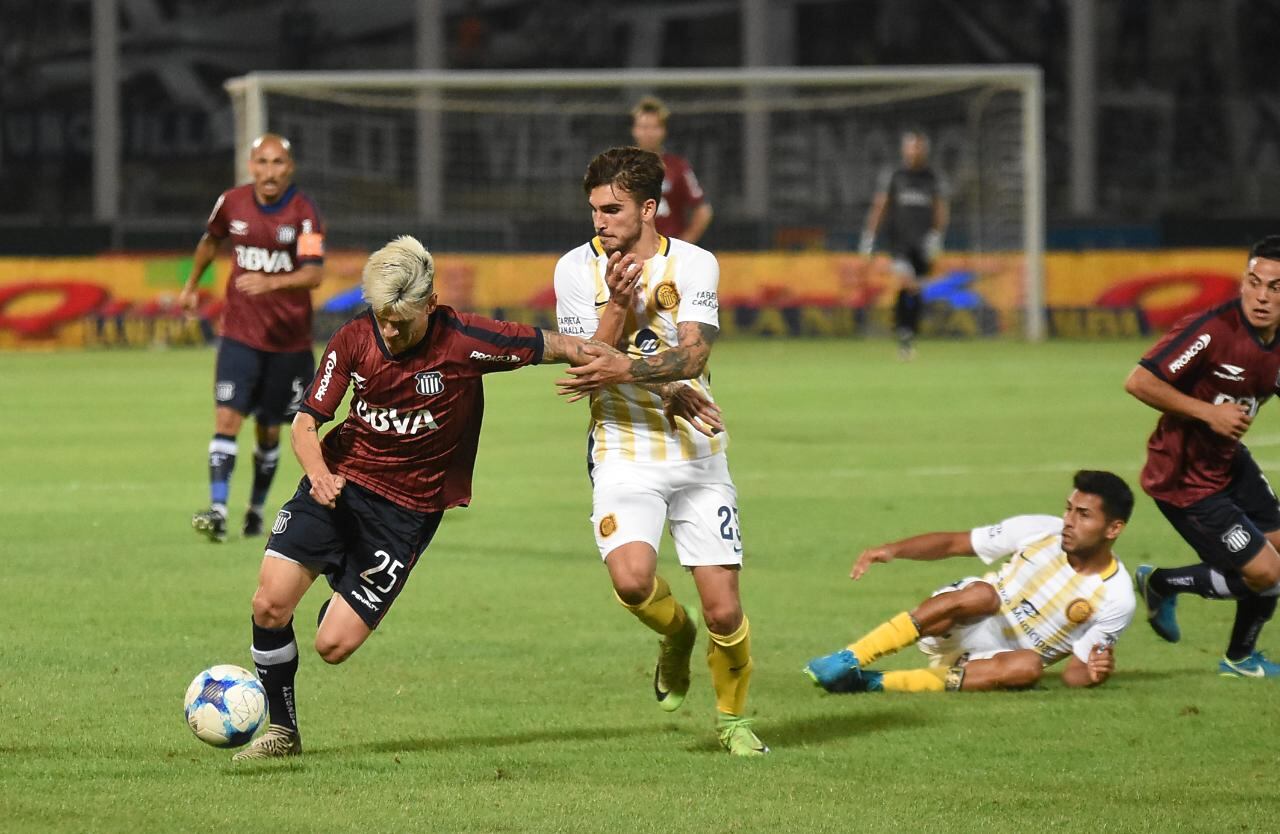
(1208, 377)
(1061, 594)
(656, 298)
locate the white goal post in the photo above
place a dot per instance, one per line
(492, 161)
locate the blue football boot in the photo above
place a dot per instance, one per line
(1162, 611)
(1255, 665)
(838, 672)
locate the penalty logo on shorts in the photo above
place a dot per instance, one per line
(608, 526)
(282, 522)
(1079, 611)
(429, 383)
(1236, 539)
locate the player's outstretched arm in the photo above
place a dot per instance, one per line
(305, 439)
(926, 547)
(561, 348)
(686, 360)
(1102, 662)
(1228, 419)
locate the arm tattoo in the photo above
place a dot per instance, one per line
(558, 347)
(555, 347)
(685, 361)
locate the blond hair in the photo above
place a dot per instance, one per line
(399, 278)
(654, 105)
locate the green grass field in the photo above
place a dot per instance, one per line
(508, 692)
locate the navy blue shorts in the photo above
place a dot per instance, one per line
(267, 385)
(1229, 528)
(366, 546)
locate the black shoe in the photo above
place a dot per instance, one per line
(252, 523)
(212, 524)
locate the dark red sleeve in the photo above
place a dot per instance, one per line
(216, 225)
(1181, 355)
(490, 345)
(326, 391)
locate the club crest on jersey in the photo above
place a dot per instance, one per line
(1079, 610)
(282, 522)
(1236, 539)
(429, 383)
(608, 526)
(666, 296)
(286, 234)
(238, 227)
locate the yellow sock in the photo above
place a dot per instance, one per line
(916, 680)
(885, 639)
(729, 656)
(660, 611)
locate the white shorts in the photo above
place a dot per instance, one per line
(972, 641)
(631, 501)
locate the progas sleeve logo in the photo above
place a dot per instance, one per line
(330, 362)
(490, 357)
(1189, 354)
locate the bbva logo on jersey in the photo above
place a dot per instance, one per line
(257, 259)
(429, 383)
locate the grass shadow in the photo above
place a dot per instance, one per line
(457, 742)
(827, 729)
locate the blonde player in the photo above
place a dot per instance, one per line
(1062, 594)
(655, 299)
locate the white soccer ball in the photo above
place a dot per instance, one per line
(225, 706)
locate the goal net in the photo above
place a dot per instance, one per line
(492, 162)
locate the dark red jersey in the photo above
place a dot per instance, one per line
(1215, 356)
(414, 425)
(681, 194)
(274, 239)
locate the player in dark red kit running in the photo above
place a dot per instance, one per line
(1209, 375)
(376, 487)
(264, 357)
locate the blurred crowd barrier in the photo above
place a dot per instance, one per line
(130, 300)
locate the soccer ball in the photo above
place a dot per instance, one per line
(225, 706)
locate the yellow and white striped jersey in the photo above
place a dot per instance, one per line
(679, 284)
(1044, 603)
